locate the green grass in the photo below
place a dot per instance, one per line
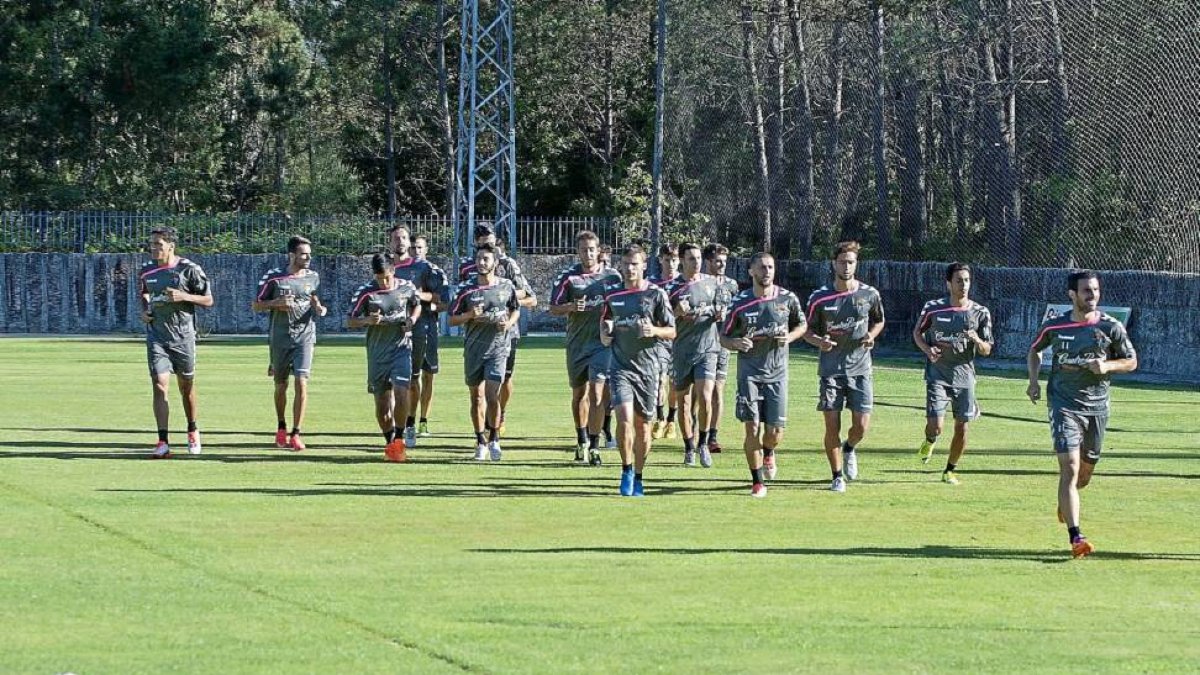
(251, 559)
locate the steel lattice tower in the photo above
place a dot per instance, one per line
(486, 176)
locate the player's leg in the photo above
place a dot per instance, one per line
(673, 407)
(281, 393)
(299, 408)
(773, 416)
(383, 413)
(478, 411)
(704, 378)
(160, 384)
(597, 373)
(610, 440)
(506, 390)
(642, 439)
(401, 377)
(579, 411)
(935, 413)
(400, 394)
(681, 382)
(187, 392)
(414, 388)
(494, 376)
(859, 397)
(718, 409)
(426, 401)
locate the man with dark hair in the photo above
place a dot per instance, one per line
(289, 295)
(1087, 347)
(388, 307)
(764, 320)
(488, 308)
(606, 252)
(506, 268)
(699, 309)
(635, 315)
(664, 427)
(422, 275)
(429, 329)
(716, 259)
(578, 294)
(951, 332)
(844, 320)
(171, 288)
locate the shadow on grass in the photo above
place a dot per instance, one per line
(931, 552)
(1100, 474)
(505, 489)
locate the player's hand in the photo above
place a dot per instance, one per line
(374, 318)
(826, 345)
(321, 310)
(1097, 366)
(175, 295)
(868, 341)
(646, 329)
(685, 306)
(933, 353)
(580, 304)
(606, 332)
(476, 312)
(743, 344)
(782, 341)
(147, 317)
(1034, 392)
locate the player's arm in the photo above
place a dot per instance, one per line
(734, 344)
(918, 335)
(318, 306)
(561, 302)
(461, 313)
(200, 294)
(1033, 364)
(816, 336)
(875, 322)
(266, 299)
(798, 327)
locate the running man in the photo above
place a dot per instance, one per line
(429, 329)
(421, 275)
(636, 315)
(952, 331)
(578, 294)
(699, 309)
(290, 296)
(764, 320)
(488, 308)
(716, 258)
(388, 307)
(844, 319)
(664, 427)
(1087, 347)
(171, 289)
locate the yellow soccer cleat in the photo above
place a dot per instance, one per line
(926, 451)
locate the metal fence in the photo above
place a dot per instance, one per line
(118, 232)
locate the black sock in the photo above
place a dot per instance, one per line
(409, 422)
(846, 447)
(581, 435)
(593, 441)
(949, 466)
(702, 440)
(1074, 533)
(671, 415)
(295, 431)
(837, 474)
(689, 445)
(282, 425)
(479, 439)
(397, 433)
(608, 424)
(637, 477)
(424, 420)
(626, 468)
(389, 435)
(712, 435)
(658, 413)
(931, 440)
(191, 426)
(756, 475)
(162, 435)
(768, 452)
(493, 434)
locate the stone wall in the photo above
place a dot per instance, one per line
(75, 293)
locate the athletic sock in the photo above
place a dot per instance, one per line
(702, 440)
(191, 426)
(295, 431)
(846, 447)
(768, 452)
(479, 440)
(689, 445)
(397, 433)
(493, 434)
(625, 468)
(658, 412)
(162, 435)
(389, 435)
(282, 425)
(837, 475)
(712, 435)
(756, 475)
(581, 435)
(931, 441)
(593, 441)
(1074, 533)
(949, 466)
(671, 415)
(637, 477)
(409, 422)
(424, 420)
(608, 424)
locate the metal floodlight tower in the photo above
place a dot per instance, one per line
(486, 176)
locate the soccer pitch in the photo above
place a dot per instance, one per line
(252, 559)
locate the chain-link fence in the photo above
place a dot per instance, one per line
(1012, 132)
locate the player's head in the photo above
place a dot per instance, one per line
(486, 257)
(382, 267)
(716, 257)
(668, 260)
(762, 269)
(690, 258)
(420, 247)
(299, 252)
(958, 279)
(1083, 287)
(484, 234)
(605, 256)
(587, 246)
(633, 263)
(162, 243)
(845, 259)
(398, 237)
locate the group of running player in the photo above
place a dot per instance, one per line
(636, 344)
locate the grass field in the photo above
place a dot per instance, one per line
(250, 559)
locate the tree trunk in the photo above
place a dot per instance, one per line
(775, 129)
(444, 119)
(389, 107)
(952, 132)
(1062, 161)
(804, 142)
(912, 166)
(882, 228)
(754, 104)
(1014, 225)
(994, 155)
(829, 184)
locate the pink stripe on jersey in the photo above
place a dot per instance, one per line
(462, 295)
(267, 283)
(159, 269)
(925, 318)
(813, 307)
(734, 313)
(367, 295)
(686, 286)
(1074, 324)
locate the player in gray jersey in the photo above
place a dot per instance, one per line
(716, 259)
(171, 288)
(636, 314)
(388, 307)
(578, 294)
(290, 296)
(429, 326)
(844, 320)
(664, 425)
(764, 320)
(699, 309)
(1087, 346)
(422, 275)
(487, 309)
(951, 332)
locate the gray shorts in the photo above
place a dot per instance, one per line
(420, 347)
(384, 374)
(666, 355)
(762, 401)
(1075, 432)
(722, 365)
(590, 366)
(510, 364)
(488, 368)
(178, 358)
(636, 387)
(293, 357)
(855, 392)
(430, 363)
(961, 400)
(685, 372)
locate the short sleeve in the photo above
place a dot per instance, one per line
(1044, 338)
(196, 280)
(513, 302)
(816, 320)
(733, 323)
(459, 306)
(358, 302)
(267, 287)
(985, 326)
(875, 314)
(662, 312)
(1121, 346)
(560, 292)
(795, 313)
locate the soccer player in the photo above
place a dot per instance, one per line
(606, 256)
(506, 268)
(1087, 347)
(420, 274)
(388, 307)
(952, 331)
(664, 427)
(290, 296)
(488, 308)
(716, 259)
(171, 289)
(429, 329)
(636, 314)
(578, 294)
(844, 319)
(699, 310)
(764, 320)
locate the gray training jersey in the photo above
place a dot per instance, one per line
(299, 323)
(762, 319)
(628, 308)
(506, 268)
(845, 316)
(583, 328)
(696, 331)
(945, 326)
(395, 305)
(174, 322)
(485, 339)
(1072, 386)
